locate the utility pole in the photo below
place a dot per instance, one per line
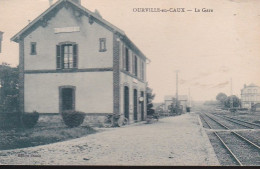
(189, 99)
(177, 106)
(231, 92)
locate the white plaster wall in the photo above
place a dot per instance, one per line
(94, 91)
(87, 40)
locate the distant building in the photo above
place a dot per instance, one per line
(169, 99)
(1, 39)
(250, 95)
(183, 102)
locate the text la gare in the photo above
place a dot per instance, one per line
(203, 10)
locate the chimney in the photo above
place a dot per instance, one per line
(1, 38)
(77, 1)
(50, 2)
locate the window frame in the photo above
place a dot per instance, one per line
(136, 65)
(33, 46)
(127, 59)
(60, 55)
(102, 41)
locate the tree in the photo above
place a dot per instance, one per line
(9, 78)
(221, 97)
(236, 101)
(149, 98)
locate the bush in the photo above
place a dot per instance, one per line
(73, 118)
(29, 120)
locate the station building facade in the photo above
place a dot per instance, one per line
(72, 59)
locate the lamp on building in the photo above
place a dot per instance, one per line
(141, 99)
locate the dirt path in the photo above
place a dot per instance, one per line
(171, 141)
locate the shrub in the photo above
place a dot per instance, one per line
(29, 120)
(73, 118)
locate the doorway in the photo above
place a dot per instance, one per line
(126, 102)
(135, 105)
(67, 98)
(142, 106)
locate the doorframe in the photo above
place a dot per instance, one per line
(73, 96)
(142, 105)
(137, 104)
(128, 112)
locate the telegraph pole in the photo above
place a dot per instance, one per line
(177, 106)
(231, 92)
(189, 99)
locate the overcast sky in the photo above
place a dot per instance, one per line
(207, 48)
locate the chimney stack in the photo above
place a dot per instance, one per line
(50, 2)
(77, 1)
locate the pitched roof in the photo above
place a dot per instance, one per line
(180, 97)
(168, 97)
(252, 85)
(97, 17)
(183, 97)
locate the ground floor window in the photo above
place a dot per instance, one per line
(67, 98)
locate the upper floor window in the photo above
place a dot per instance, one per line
(67, 55)
(33, 48)
(102, 45)
(142, 70)
(136, 65)
(126, 59)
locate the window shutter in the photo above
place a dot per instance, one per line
(127, 59)
(123, 56)
(75, 56)
(133, 62)
(58, 56)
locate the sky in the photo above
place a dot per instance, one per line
(207, 48)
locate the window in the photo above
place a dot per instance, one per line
(67, 56)
(136, 65)
(142, 70)
(33, 48)
(126, 59)
(102, 45)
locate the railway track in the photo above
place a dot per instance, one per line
(231, 124)
(242, 150)
(215, 125)
(240, 122)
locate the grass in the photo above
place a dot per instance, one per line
(49, 129)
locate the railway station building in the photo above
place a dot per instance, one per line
(72, 59)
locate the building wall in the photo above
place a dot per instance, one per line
(183, 103)
(132, 83)
(87, 40)
(130, 80)
(250, 95)
(95, 86)
(93, 93)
